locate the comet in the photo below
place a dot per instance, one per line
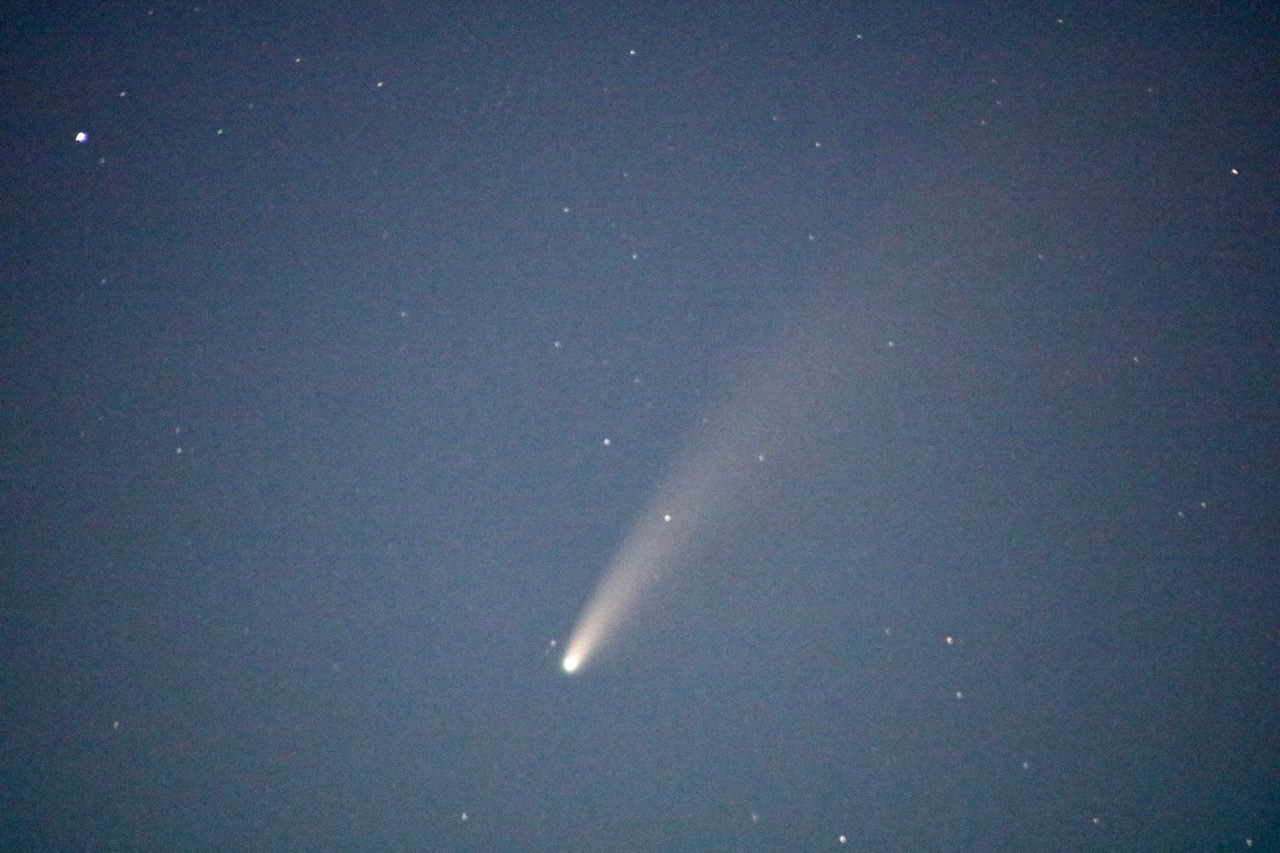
(760, 423)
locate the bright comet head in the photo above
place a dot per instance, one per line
(570, 662)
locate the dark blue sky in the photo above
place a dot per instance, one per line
(347, 345)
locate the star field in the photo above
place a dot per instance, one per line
(343, 346)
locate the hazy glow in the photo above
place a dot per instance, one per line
(709, 484)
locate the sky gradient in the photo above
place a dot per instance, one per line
(345, 346)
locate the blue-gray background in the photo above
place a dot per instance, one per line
(311, 347)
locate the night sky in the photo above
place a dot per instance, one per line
(344, 345)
